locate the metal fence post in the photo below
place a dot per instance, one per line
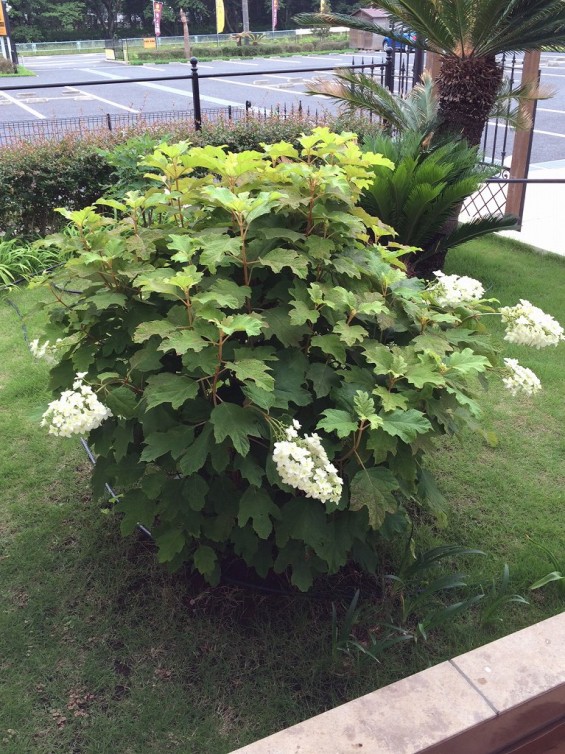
(417, 66)
(196, 94)
(389, 69)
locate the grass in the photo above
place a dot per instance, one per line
(22, 71)
(106, 652)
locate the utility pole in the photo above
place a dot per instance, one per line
(185, 35)
(245, 14)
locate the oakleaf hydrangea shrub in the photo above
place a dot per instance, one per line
(270, 380)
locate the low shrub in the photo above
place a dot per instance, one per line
(232, 312)
(38, 177)
(6, 66)
(262, 49)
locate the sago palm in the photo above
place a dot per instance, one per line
(468, 35)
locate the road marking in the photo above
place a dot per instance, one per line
(549, 110)
(200, 65)
(152, 67)
(549, 133)
(101, 99)
(315, 57)
(104, 74)
(240, 62)
(258, 86)
(14, 101)
(555, 75)
(185, 93)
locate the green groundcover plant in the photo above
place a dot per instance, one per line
(256, 378)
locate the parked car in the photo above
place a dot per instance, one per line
(410, 37)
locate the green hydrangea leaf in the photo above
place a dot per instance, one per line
(224, 293)
(323, 378)
(146, 330)
(340, 422)
(331, 345)
(257, 506)
(197, 452)
(173, 441)
(218, 251)
(390, 401)
(182, 341)
(169, 388)
(467, 362)
(281, 327)
(429, 493)
(237, 423)
(250, 324)
(406, 425)
(253, 370)
(301, 313)
(380, 444)
(146, 359)
(373, 489)
(350, 334)
(279, 258)
(121, 401)
(424, 374)
(169, 544)
(249, 470)
(136, 508)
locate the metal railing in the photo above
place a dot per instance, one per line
(88, 45)
(384, 70)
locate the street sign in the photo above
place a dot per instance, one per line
(3, 30)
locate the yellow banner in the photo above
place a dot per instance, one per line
(220, 16)
(3, 31)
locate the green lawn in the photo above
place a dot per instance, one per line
(104, 652)
(22, 71)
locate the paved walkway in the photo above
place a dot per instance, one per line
(543, 224)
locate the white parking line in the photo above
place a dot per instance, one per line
(258, 86)
(104, 74)
(185, 93)
(101, 99)
(240, 62)
(14, 101)
(200, 65)
(549, 110)
(549, 133)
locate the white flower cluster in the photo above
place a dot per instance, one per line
(527, 325)
(520, 379)
(303, 463)
(48, 351)
(76, 412)
(455, 290)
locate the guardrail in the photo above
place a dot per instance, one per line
(88, 45)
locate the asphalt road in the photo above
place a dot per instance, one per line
(264, 85)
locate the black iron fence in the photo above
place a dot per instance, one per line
(390, 74)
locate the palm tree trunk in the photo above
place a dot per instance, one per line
(467, 92)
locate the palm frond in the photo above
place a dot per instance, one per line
(480, 227)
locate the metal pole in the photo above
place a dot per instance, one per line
(418, 66)
(196, 94)
(389, 69)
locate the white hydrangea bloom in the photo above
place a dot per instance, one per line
(302, 463)
(48, 351)
(455, 290)
(528, 325)
(76, 412)
(520, 379)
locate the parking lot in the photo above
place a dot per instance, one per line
(268, 83)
